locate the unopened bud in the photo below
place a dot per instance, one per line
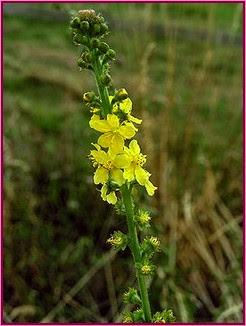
(84, 25)
(106, 79)
(82, 64)
(103, 47)
(75, 22)
(88, 97)
(96, 28)
(80, 39)
(104, 28)
(95, 43)
(110, 54)
(121, 94)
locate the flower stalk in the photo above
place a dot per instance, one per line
(135, 248)
(117, 158)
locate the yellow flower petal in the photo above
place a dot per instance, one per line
(117, 143)
(111, 198)
(117, 176)
(101, 175)
(127, 130)
(121, 161)
(134, 147)
(141, 175)
(99, 156)
(150, 188)
(105, 139)
(134, 119)
(113, 121)
(129, 173)
(126, 105)
(99, 125)
(104, 192)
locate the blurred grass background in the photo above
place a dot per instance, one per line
(182, 66)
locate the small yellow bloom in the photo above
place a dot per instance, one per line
(126, 107)
(108, 195)
(135, 170)
(114, 133)
(108, 165)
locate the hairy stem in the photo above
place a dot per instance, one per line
(135, 248)
(102, 90)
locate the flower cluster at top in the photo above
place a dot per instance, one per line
(117, 156)
(115, 162)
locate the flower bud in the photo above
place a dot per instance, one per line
(127, 317)
(75, 22)
(84, 26)
(80, 39)
(131, 296)
(138, 315)
(96, 28)
(106, 79)
(87, 57)
(103, 47)
(118, 240)
(110, 55)
(164, 316)
(89, 97)
(95, 43)
(121, 94)
(104, 28)
(82, 64)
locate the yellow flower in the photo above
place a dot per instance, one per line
(108, 195)
(108, 165)
(114, 133)
(135, 170)
(126, 107)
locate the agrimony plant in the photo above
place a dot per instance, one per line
(117, 159)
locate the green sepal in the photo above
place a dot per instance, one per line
(132, 297)
(138, 315)
(118, 240)
(165, 316)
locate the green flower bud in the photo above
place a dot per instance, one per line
(84, 26)
(118, 240)
(138, 315)
(100, 18)
(96, 28)
(127, 317)
(110, 55)
(131, 296)
(164, 316)
(82, 64)
(103, 47)
(80, 39)
(87, 57)
(75, 22)
(106, 79)
(89, 97)
(95, 43)
(104, 28)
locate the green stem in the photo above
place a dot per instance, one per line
(127, 199)
(102, 90)
(135, 248)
